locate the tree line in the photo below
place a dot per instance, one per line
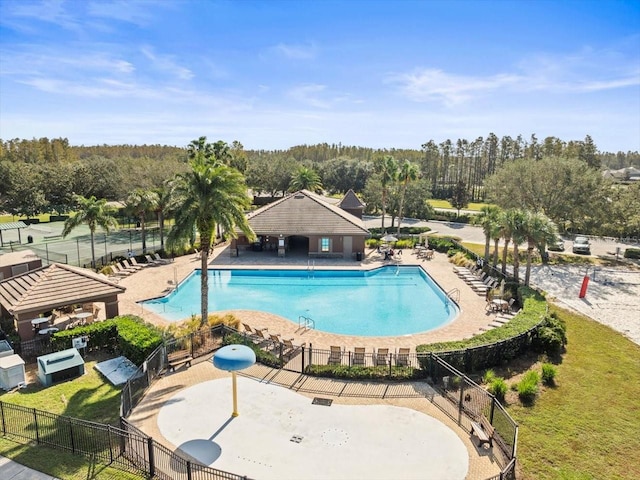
(561, 179)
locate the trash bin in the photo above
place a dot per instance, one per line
(29, 239)
(359, 256)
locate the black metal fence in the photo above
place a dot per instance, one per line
(124, 448)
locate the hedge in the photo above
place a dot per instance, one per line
(632, 253)
(134, 338)
(497, 345)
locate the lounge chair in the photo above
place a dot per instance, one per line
(358, 356)
(252, 330)
(335, 356)
(159, 259)
(402, 357)
(152, 262)
(118, 270)
(382, 357)
(128, 268)
(135, 263)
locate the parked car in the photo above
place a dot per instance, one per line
(582, 245)
(557, 245)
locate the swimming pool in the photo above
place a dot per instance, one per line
(387, 301)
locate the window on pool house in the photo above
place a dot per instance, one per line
(325, 243)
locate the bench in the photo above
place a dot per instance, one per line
(483, 430)
(177, 358)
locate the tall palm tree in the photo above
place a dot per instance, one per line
(305, 179)
(488, 220)
(409, 172)
(518, 235)
(94, 213)
(207, 196)
(200, 147)
(539, 231)
(141, 203)
(506, 230)
(163, 206)
(387, 167)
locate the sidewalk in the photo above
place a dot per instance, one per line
(10, 470)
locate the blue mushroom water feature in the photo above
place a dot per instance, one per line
(233, 358)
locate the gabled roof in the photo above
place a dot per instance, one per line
(350, 201)
(304, 213)
(53, 286)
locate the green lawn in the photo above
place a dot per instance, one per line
(88, 397)
(446, 204)
(587, 426)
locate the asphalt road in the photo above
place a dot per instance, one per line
(600, 247)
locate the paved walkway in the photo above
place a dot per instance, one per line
(10, 470)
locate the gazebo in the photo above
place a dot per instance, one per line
(25, 297)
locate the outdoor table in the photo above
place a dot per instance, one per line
(82, 315)
(498, 303)
(47, 331)
(36, 322)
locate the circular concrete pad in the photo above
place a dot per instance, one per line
(281, 435)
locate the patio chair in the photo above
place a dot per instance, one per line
(252, 330)
(289, 348)
(128, 268)
(151, 261)
(382, 357)
(159, 259)
(118, 270)
(358, 356)
(134, 263)
(402, 357)
(335, 356)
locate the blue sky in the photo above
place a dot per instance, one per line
(274, 74)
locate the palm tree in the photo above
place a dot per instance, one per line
(488, 220)
(200, 147)
(163, 206)
(94, 213)
(506, 229)
(387, 167)
(305, 179)
(518, 235)
(409, 172)
(207, 196)
(539, 231)
(140, 203)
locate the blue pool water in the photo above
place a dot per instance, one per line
(387, 301)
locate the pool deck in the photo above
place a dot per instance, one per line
(152, 282)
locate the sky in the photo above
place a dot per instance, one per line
(279, 73)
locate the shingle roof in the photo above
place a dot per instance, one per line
(304, 213)
(54, 286)
(350, 201)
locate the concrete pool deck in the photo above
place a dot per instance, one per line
(152, 282)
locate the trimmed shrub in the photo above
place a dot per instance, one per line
(551, 336)
(548, 374)
(498, 388)
(102, 335)
(137, 339)
(632, 253)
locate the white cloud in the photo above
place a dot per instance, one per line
(309, 95)
(582, 72)
(167, 64)
(50, 11)
(295, 52)
(138, 13)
